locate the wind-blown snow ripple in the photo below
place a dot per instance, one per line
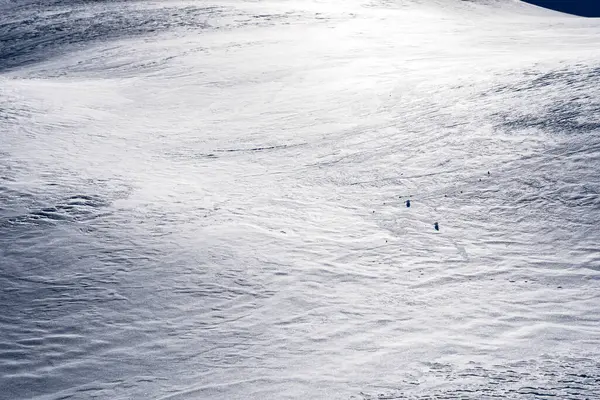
(39, 31)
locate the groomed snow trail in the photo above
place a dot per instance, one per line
(207, 200)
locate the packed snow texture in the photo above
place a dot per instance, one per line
(208, 200)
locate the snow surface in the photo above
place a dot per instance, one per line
(206, 200)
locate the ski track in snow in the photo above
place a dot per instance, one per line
(207, 200)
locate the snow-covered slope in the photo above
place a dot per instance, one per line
(207, 200)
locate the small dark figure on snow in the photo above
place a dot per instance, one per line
(408, 203)
(436, 226)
